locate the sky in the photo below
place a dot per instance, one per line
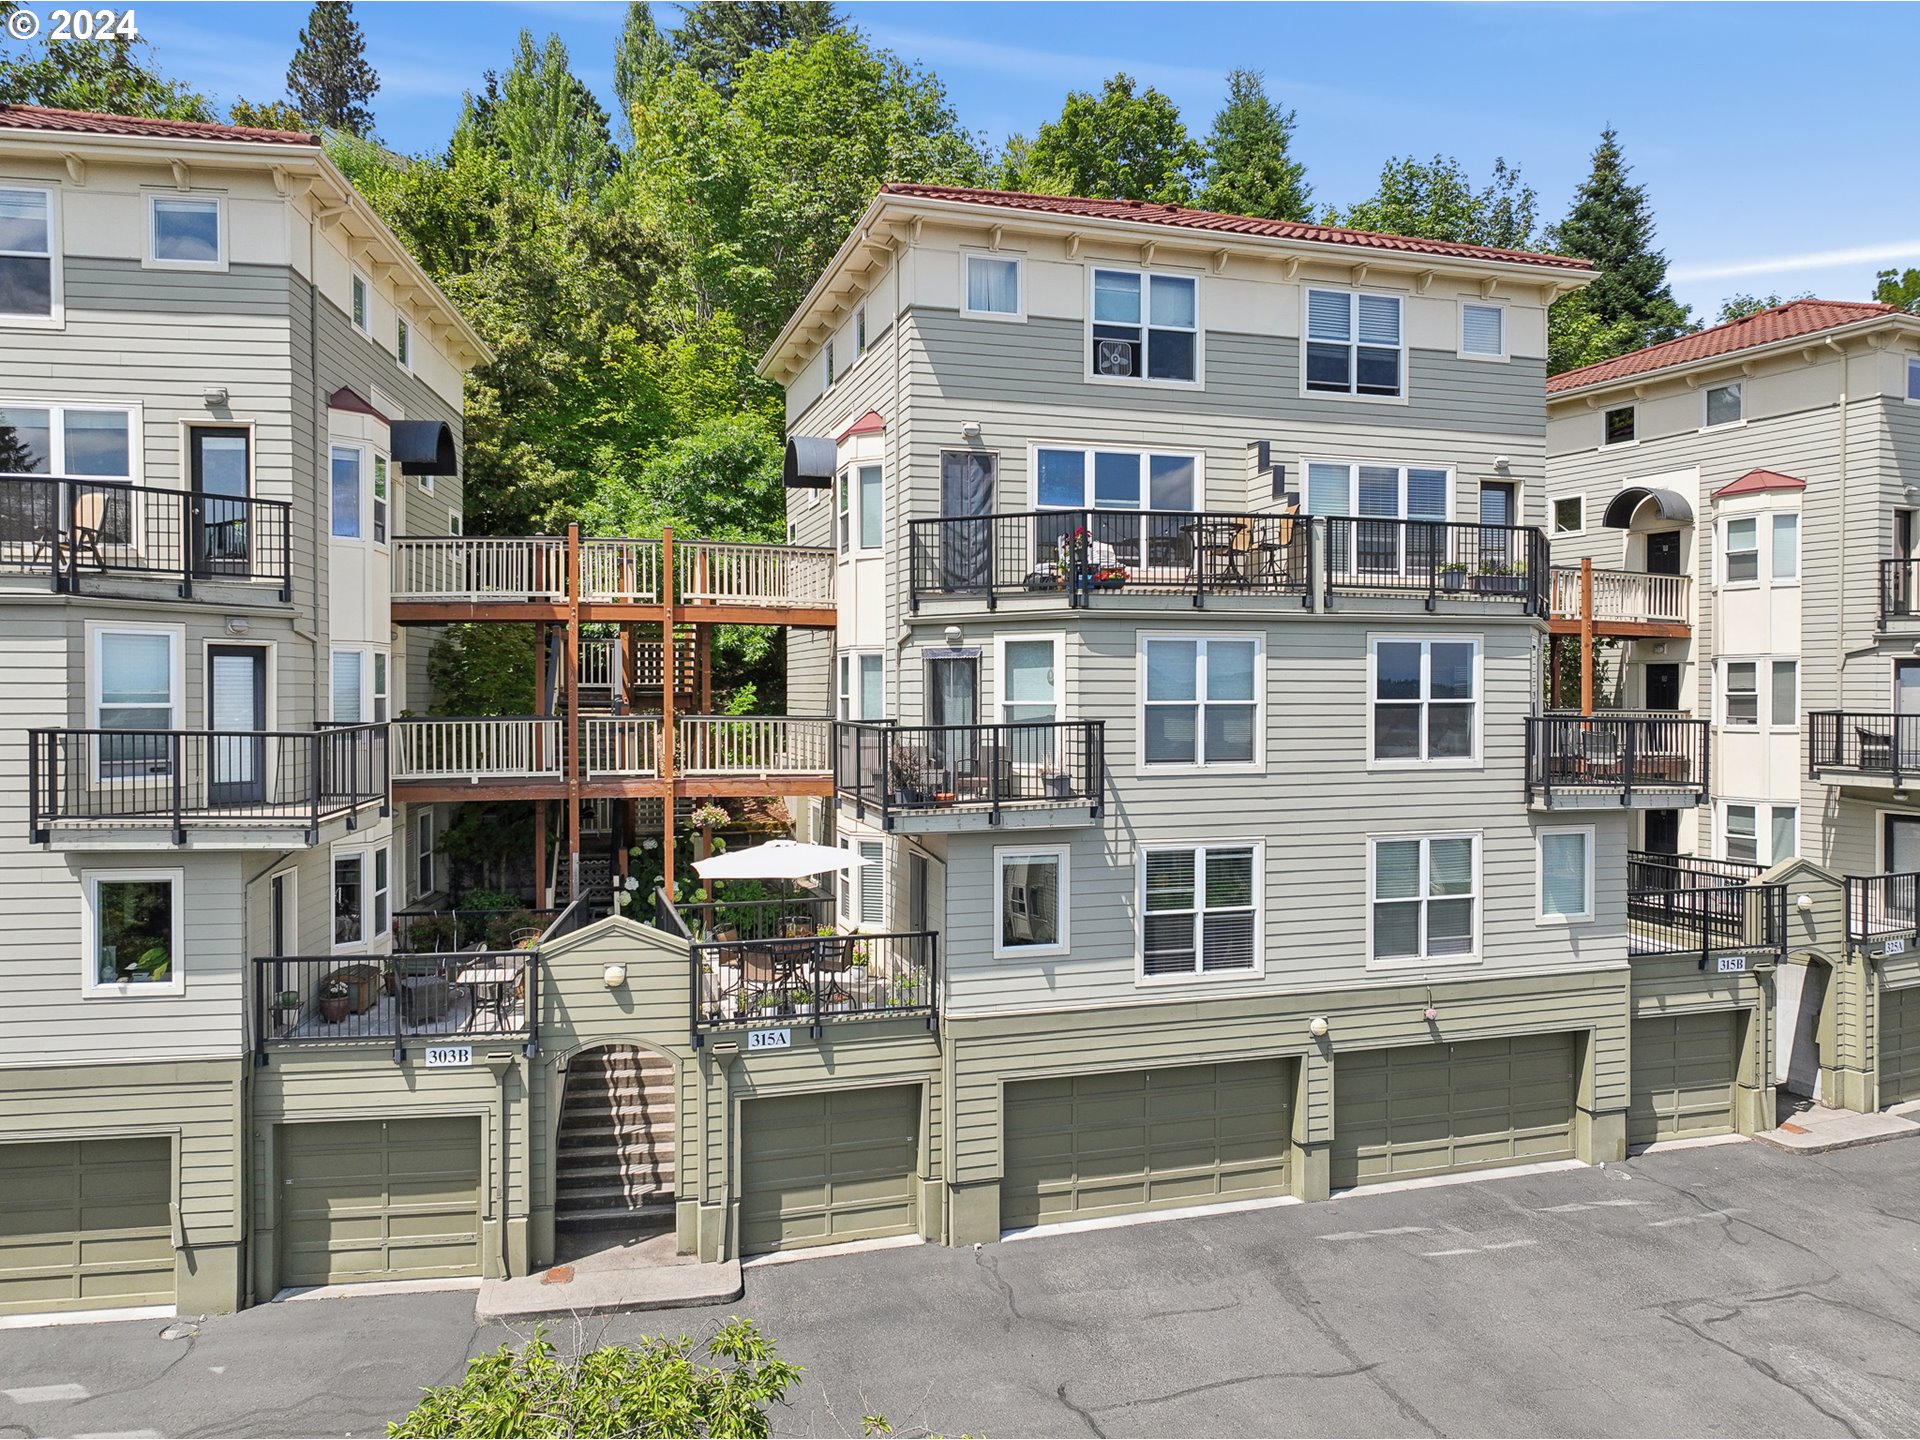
(1773, 153)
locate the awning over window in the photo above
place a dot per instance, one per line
(1621, 509)
(810, 462)
(425, 447)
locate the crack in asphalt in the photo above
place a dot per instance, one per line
(1085, 1417)
(1343, 1374)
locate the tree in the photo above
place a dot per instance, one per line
(329, 77)
(267, 115)
(545, 122)
(654, 1388)
(1435, 199)
(1117, 145)
(717, 36)
(639, 59)
(1739, 307)
(1250, 167)
(1898, 287)
(1629, 304)
(112, 77)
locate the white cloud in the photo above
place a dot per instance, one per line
(1884, 253)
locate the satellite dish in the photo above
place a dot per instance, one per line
(1114, 357)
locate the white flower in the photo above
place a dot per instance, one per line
(651, 843)
(633, 882)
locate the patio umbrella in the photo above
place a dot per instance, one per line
(778, 860)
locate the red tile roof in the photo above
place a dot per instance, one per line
(1179, 216)
(85, 122)
(1755, 482)
(1766, 327)
(871, 423)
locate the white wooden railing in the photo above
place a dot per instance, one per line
(627, 745)
(752, 745)
(719, 573)
(597, 662)
(480, 568)
(1624, 595)
(490, 748)
(625, 571)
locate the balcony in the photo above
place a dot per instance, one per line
(1899, 592)
(1715, 909)
(210, 782)
(73, 534)
(1625, 603)
(1874, 749)
(943, 778)
(1429, 561)
(1883, 912)
(1644, 761)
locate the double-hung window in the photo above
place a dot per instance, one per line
(136, 686)
(1030, 893)
(135, 931)
(1760, 834)
(347, 483)
(1425, 898)
(1740, 705)
(862, 691)
(1725, 404)
(29, 256)
(1354, 344)
(1425, 700)
(1483, 331)
(185, 230)
(992, 286)
(1565, 870)
(1145, 502)
(1146, 326)
(1201, 701)
(1742, 559)
(1199, 910)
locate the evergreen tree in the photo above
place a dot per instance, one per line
(329, 77)
(1435, 199)
(1117, 145)
(545, 122)
(1250, 167)
(716, 36)
(1898, 287)
(638, 60)
(1629, 305)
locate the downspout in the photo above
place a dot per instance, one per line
(1845, 482)
(901, 560)
(322, 677)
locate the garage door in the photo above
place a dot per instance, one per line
(1443, 1109)
(1683, 1071)
(823, 1168)
(1087, 1145)
(86, 1225)
(379, 1200)
(1900, 1045)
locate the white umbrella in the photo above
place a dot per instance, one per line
(778, 860)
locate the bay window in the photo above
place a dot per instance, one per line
(1740, 685)
(1742, 560)
(1425, 699)
(1758, 833)
(1146, 326)
(1201, 702)
(349, 689)
(1354, 344)
(1424, 894)
(29, 256)
(1786, 548)
(862, 687)
(346, 487)
(1199, 910)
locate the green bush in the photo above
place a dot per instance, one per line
(653, 1388)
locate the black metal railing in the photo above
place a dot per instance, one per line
(577, 916)
(437, 932)
(815, 980)
(783, 918)
(1899, 590)
(1680, 906)
(1616, 754)
(1080, 553)
(897, 770)
(70, 529)
(1436, 560)
(392, 999)
(179, 778)
(1880, 907)
(1693, 868)
(1871, 742)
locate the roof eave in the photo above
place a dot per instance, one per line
(1814, 339)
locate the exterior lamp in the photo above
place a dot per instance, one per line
(614, 976)
(1317, 1027)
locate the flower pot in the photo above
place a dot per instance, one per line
(1054, 787)
(1453, 581)
(1499, 584)
(335, 1008)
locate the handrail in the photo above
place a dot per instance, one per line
(1880, 907)
(479, 567)
(753, 745)
(345, 1000)
(729, 572)
(1872, 742)
(1616, 753)
(1899, 589)
(814, 980)
(1672, 910)
(481, 747)
(1624, 596)
(1435, 560)
(919, 769)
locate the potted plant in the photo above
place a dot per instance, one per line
(1110, 577)
(907, 775)
(286, 1010)
(1054, 784)
(336, 1001)
(1453, 576)
(1498, 577)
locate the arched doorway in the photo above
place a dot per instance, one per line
(1802, 1025)
(614, 1158)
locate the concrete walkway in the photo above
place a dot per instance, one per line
(609, 1273)
(1810, 1129)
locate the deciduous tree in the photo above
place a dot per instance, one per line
(114, 76)
(1898, 287)
(1436, 199)
(717, 36)
(1739, 307)
(1122, 144)
(545, 123)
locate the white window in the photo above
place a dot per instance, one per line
(863, 892)
(1619, 426)
(1740, 690)
(869, 499)
(1743, 551)
(1483, 332)
(1784, 703)
(829, 375)
(347, 483)
(1029, 671)
(859, 332)
(1354, 344)
(1564, 891)
(843, 514)
(1424, 895)
(186, 231)
(382, 887)
(403, 342)
(362, 304)
(1759, 834)
(1739, 834)
(1199, 910)
(1786, 548)
(1201, 700)
(83, 441)
(862, 685)
(1386, 492)
(379, 499)
(1425, 700)
(453, 522)
(1724, 404)
(991, 286)
(424, 880)
(1030, 897)
(1569, 514)
(135, 940)
(1146, 326)
(29, 255)
(379, 658)
(1118, 481)
(1913, 379)
(349, 686)
(135, 686)
(349, 898)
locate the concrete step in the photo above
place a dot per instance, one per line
(611, 1168)
(600, 1198)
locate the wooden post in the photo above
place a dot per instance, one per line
(543, 896)
(571, 665)
(1586, 636)
(670, 786)
(703, 667)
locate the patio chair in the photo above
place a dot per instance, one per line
(89, 518)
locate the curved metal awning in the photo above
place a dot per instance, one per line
(424, 447)
(1621, 509)
(810, 462)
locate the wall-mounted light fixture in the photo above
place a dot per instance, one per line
(1317, 1027)
(213, 396)
(238, 624)
(969, 429)
(952, 632)
(1804, 902)
(614, 976)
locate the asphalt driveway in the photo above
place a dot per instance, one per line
(1730, 1290)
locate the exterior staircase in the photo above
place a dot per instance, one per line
(615, 1157)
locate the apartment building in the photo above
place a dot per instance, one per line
(225, 388)
(1743, 502)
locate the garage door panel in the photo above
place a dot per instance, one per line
(1900, 1045)
(1683, 1074)
(86, 1224)
(829, 1166)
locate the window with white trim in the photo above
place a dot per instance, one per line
(1784, 702)
(346, 484)
(135, 923)
(1201, 700)
(349, 693)
(1483, 331)
(349, 897)
(1725, 404)
(1564, 860)
(1569, 514)
(382, 893)
(1785, 556)
(1030, 899)
(1759, 833)
(1740, 693)
(379, 498)
(1741, 563)
(1028, 673)
(185, 230)
(872, 506)
(1117, 481)
(1424, 894)
(362, 304)
(1619, 425)
(94, 442)
(863, 891)
(1386, 492)
(402, 342)
(425, 882)
(828, 375)
(379, 659)
(453, 522)
(991, 285)
(859, 332)
(862, 685)
(1425, 696)
(1913, 379)
(1199, 910)
(136, 686)
(1146, 326)
(1354, 344)
(29, 254)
